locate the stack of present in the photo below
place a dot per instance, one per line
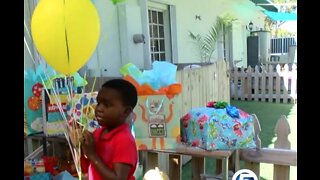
(48, 168)
(50, 96)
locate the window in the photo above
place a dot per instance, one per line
(156, 34)
(159, 27)
(159, 32)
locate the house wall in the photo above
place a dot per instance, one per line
(114, 50)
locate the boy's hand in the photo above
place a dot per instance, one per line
(87, 144)
(74, 136)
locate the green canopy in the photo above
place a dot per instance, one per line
(265, 4)
(278, 16)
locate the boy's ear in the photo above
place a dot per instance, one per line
(128, 110)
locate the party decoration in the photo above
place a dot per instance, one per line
(65, 32)
(217, 104)
(77, 80)
(81, 109)
(37, 89)
(32, 102)
(232, 111)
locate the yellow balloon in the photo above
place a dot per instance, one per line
(65, 32)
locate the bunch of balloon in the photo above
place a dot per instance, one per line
(66, 33)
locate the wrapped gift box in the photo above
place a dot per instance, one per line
(218, 128)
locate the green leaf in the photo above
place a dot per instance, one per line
(207, 43)
(117, 1)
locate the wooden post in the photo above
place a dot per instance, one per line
(282, 130)
(152, 161)
(256, 83)
(257, 130)
(220, 80)
(232, 163)
(263, 84)
(285, 83)
(235, 81)
(179, 103)
(294, 83)
(175, 167)
(225, 169)
(226, 86)
(243, 83)
(253, 166)
(236, 160)
(218, 166)
(163, 162)
(270, 83)
(249, 76)
(210, 83)
(215, 82)
(197, 165)
(224, 89)
(186, 91)
(204, 80)
(278, 93)
(195, 91)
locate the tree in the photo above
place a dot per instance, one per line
(284, 6)
(207, 44)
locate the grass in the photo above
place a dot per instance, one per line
(268, 114)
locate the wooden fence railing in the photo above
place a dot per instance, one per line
(265, 84)
(280, 156)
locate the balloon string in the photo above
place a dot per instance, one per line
(92, 88)
(82, 94)
(58, 103)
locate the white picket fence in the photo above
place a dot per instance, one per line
(265, 83)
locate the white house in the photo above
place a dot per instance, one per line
(165, 26)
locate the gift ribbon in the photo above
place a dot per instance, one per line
(147, 105)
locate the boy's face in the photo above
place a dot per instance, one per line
(110, 111)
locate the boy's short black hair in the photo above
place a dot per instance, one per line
(127, 91)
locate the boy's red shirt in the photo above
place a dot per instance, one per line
(116, 146)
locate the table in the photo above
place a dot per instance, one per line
(165, 164)
(44, 139)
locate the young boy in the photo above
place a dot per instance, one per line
(110, 151)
